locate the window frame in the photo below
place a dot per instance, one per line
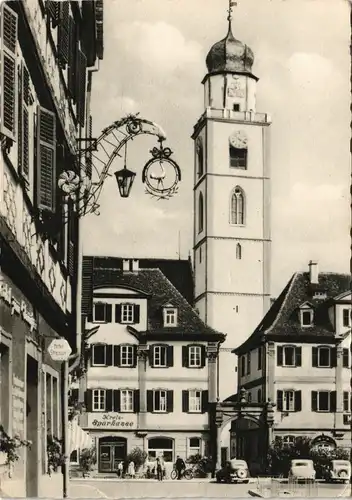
(167, 312)
(155, 391)
(291, 401)
(319, 349)
(99, 303)
(344, 316)
(200, 213)
(260, 358)
(194, 450)
(126, 409)
(347, 398)
(127, 305)
(237, 198)
(243, 365)
(76, 462)
(126, 346)
(311, 317)
(318, 401)
(93, 349)
(102, 407)
(288, 440)
(161, 347)
(198, 349)
(238, 157)
(153, 453)
(192, 395)
(284, 364)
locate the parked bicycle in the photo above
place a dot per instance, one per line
(185, 473)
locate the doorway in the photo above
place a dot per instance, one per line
(112, 450)
(32, 427)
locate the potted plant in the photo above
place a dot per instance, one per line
(9, 447)
(54, 453)
(87, 460)
(138, 457)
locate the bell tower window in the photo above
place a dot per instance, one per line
(238, 251)
(200, 157)
(237, 207)
(200, 213)
(238, 148)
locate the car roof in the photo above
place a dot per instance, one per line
(303, 460)
(238, 461)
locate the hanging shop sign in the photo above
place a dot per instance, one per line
(112, 421)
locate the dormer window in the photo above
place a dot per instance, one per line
(319, 295)
(306, 312)
(170, 316)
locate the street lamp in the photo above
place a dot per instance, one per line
(125, 178)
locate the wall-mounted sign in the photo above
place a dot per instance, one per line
(112, 421)
(17, 305)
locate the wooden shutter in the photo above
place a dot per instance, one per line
(136, 313)
(345, 358)
(64, 33)
(87, 286)
(185, 357)
(8, 72)
(25, 122)
(169, 355)
(81, 86)
(298, 400)
(333, 401)
(151, 356)
(46, 159)
(88, 400)
(20, 119)
(108, 400)
(136, 401)
(333, 355)
(108, 313)
(117, 355)
(134, 359)
(109, 349)
(205, 401)
(314, 356)
(72, 59)
(280, 355)
(279, 400)
(260, 355)
(185, 401)
(298, 356)
(169, 401)
(314, 400)
(203, 356)
(117, 400)
(52, 9)
(150, 406)
(89, 156)
(118, 313)
(346, 396)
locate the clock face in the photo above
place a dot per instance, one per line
(239, 140)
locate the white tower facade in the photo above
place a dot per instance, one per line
(231, 203)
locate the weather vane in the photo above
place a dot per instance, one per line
(230, 11)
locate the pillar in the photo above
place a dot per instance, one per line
(142, 353)
(212, 353)
(339, 389)
(270, 371)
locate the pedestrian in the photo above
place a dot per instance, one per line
(131, 470)
(120, 470)
(159, 470)
(179, 466)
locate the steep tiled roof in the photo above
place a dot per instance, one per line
(161, 291)
(283, 320)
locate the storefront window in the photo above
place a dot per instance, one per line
(74, 457)
(194, 446)
(161, 447)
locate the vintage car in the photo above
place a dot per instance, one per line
(234, 471)
(339, 470)
(302, 469)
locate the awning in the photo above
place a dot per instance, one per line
(78, 439)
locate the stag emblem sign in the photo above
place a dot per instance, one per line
(161, 174)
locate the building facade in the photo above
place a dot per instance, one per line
(150, 380)
(47, 50)
(231, 202)
(299, 357)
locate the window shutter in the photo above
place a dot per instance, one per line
(136, 313)
(118, 313)
(280, 355)
(169, 355)
(203, 354)
(108, 313)
(205, 401)
(314, 400)
(136, 401)
(109, 349)
(185, 357)
(81, 86)
(170, 401)
(20, 121)
(298, 400)
(87, 286)
(333, 357)
(88, 400)
(53, 12)
(108, 399)
(151, 356)
(73, 397)
(64, 34)
(72, 59)
(46, 159)
(298, 355)
(89, 155)
(117, 355)
(279, 400)
(333, 401)
(185, 401)
(150, 401)
(134, 360)
(117, 400)
(345, 358)
(345, 401)
(8, 76)
(314, 356)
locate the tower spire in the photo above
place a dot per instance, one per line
(232, 4)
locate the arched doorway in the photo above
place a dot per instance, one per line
(112, 450)
(161, 446)
(248, 441)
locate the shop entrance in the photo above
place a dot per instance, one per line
(112, 450)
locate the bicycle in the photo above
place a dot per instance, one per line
(186, 473)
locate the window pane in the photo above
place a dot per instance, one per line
(323, 400)
(324, 356)
(289, 356)
(99, 312)
(99, 354)
(194, 442)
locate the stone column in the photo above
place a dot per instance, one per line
(142, 353)
(339, 389)
(212, 353)
(270, 372)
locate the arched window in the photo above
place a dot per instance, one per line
(200, 213)
(160, 446)
(200, 157)
(238, 251)
(237, 206)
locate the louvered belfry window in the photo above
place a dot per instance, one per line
(64, 33)
(81, 86)
(8, 35)
(46, 159)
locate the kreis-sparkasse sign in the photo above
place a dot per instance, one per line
(111, 421)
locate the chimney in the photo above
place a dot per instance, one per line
(135, 265)
(125, 265)
(313, 272)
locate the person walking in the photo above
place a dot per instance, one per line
(131, 469)
(179, 466)
(120, 470)
(159, 470)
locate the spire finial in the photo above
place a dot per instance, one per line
(232, 4)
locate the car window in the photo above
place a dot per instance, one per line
(301, 464)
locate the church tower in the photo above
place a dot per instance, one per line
(231, 202)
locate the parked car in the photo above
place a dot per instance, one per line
(234, 471)
(339, 470)
(302, 469)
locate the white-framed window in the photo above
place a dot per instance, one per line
(127, 313)
(288, 400)
(98, 399)
(160, 356)
(126, 355)
(237, 214)
(195, 401)
(194, 446)
(346, 317)
(98, 354)
(195, 356)
(126, 404)
(160, 401)
(347, 401)
(288, 440)
(324, 357)
(306, 317)
(323, 400)
(74, 457)
(170, 316)
(102, 312)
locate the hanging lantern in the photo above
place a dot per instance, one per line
(125, 179)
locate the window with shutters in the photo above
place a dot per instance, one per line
(323, 400)
(160, 401)
(127, 313)
(170, 316)
(288, 399)
(289, 356)
(195, 356)
(46, 159)
(324, 357)
(160, 356)
(102, 312)
(347, 396)
(194, 446)
(346, 317)
(8, 72)
(24, 101)
(98, 354)
(99, 396)
(52, 9)
(127, 355)
(126, 403)
(195, 401)
(345, 358)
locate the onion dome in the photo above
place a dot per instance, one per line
(230, 55)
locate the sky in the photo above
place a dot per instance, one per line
(154, 62)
